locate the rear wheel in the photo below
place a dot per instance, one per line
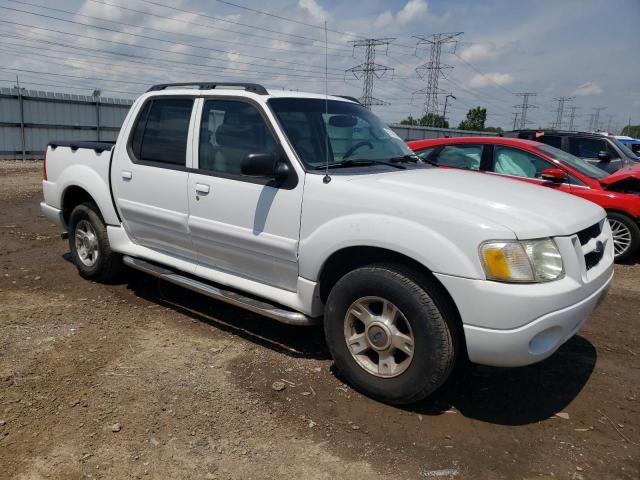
(626, 235)
(89, 245)
(387, 335)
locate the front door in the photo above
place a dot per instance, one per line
(245, 226)
(149, 177)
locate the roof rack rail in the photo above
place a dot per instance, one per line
(249, 87)
(347, 97)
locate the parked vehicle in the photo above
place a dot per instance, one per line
(541, 164)
(307, 208)
(603, 151)
(631, 143)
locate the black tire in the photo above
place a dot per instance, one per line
(108, 264)
(432, 324)
(620, 220)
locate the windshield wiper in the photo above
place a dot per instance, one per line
(358, 163)
(412, 158)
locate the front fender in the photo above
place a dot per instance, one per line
(432, 249)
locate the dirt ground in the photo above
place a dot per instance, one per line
(143, 380)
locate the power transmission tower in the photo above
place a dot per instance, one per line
(611, 117)
(524, 106)
(560, 111)
(515, 120)
(432, 69)
(369, 69)
(592, 116)
(596, 118)
(572, 117)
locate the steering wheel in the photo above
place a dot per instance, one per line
(355, 147)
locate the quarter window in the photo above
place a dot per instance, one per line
(229, 131)
(516, 162)
(460, 156)
(161, 132)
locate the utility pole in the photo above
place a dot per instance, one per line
(596, 118)
(515, 120)
(432, 69)
(524, 106)
(444, 114)
(369, 69)
(572, 116)
(560, 111)
(22, 135)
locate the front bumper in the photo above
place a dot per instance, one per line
(534, 341)
(509, 325)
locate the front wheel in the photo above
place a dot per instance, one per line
(387, 335)
(626, 235)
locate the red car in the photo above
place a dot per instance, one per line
(534, 162)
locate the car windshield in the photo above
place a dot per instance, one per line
(354, 136)
(627, 151)
(576, 163)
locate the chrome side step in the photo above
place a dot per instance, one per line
(263, 308)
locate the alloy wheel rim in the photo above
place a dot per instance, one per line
(86, 243)
(621, 237)
(379, 337)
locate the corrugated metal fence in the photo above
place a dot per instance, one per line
(29, 119)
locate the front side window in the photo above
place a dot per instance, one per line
(585, 147)
(336, 132)
(230, 131)
(460, 156)
(160, 134)
(519, 163)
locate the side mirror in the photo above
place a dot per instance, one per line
(554, 175)
(604, 156)
(266, 165)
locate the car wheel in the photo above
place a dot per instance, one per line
(387, 335)
(89, 245)
(626, 235)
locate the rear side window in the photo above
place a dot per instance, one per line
(160, 134)
(460, 156)
(585, 147)
(553, 140)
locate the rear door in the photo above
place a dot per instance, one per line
(149, 177)
(523, 165)
(245, 226)
(588, 148)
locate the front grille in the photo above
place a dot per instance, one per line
(588, 233)
(592, 259)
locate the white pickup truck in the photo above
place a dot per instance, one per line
(306, 208)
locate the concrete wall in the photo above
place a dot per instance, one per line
(414, 132)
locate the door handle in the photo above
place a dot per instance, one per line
(202, 189)
(126, 175)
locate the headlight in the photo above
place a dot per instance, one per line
(521, 261)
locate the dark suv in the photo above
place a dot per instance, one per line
(604, 151)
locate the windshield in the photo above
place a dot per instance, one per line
(354, 133)
(580, 165)
(627, 151)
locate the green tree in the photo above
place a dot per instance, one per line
(632, 131)
(475, 119)
(493, 129)
(427, 120)
(96, 93)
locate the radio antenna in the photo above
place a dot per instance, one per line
(326, 178)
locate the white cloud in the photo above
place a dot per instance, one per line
(412, 11)
(490, 80)
(314, 9)
(587, 88)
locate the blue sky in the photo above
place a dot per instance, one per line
(584, 49)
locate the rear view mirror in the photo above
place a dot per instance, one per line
(604, 156)
(343, 121)
(554, 175)
(265, 165)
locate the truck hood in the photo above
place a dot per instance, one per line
(627, 178)
(530, 211)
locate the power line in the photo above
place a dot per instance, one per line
(524, 106)
(369, 69)
(433, 68)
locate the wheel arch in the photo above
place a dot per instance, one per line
(73, 196)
